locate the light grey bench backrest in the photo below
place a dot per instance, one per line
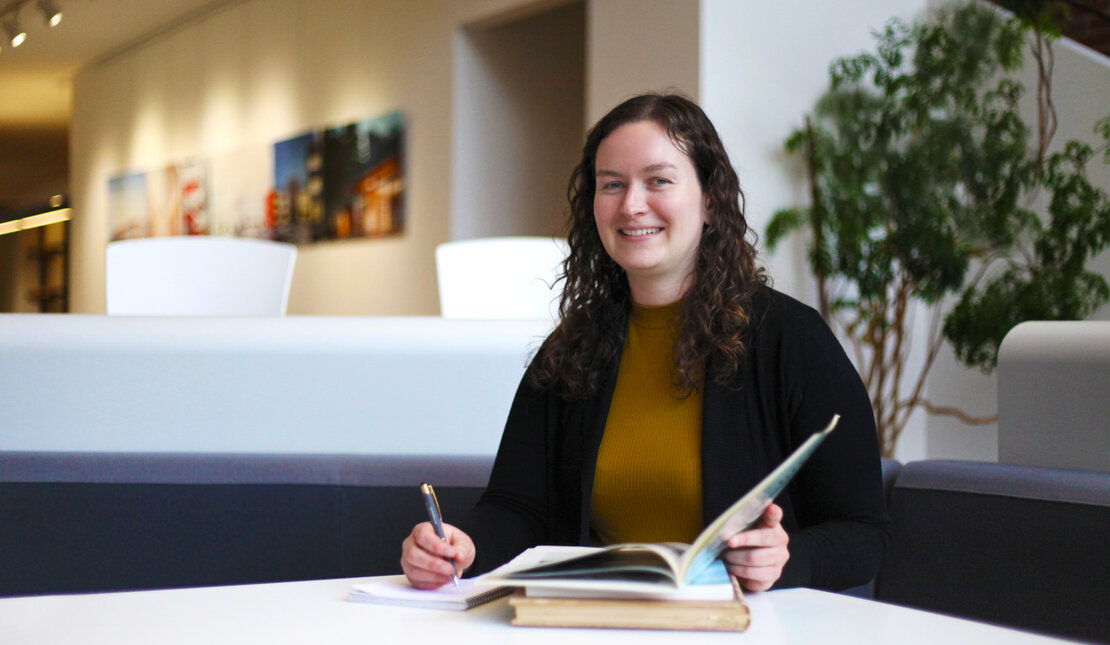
(1054, 395)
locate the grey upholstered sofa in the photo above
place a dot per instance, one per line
(1022, 546)
(74, 522)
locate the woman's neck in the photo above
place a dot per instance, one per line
(651, 293)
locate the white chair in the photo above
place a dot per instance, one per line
(500, 277)
(199, 275)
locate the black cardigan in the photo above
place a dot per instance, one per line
(794, 377)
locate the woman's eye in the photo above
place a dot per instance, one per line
(659, 181)
(611, 185)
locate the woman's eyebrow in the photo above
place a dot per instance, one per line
(646, 170)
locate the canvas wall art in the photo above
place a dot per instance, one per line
(364, 178)
(172, 200)
(128, 216)
(341, 182)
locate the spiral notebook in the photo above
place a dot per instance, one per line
(396, 590)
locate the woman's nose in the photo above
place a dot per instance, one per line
(633, 202)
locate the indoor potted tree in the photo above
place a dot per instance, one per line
(924, 189)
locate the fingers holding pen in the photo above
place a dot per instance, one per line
(422, 558)
(426, 559)
(458, 546)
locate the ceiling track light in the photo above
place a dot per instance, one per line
(9, 18)
(15, 35)
(51, 14)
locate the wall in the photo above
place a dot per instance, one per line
(261, 70)
(519, 95)
(639, 45)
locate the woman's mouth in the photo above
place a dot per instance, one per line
(639, 232)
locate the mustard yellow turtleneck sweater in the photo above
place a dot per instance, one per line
(647, 485)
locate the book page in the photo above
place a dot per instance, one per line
(542, 555)
(538, 555)
(628, 562)
(719, 591)
(396, 590)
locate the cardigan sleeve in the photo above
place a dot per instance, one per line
(842, 526)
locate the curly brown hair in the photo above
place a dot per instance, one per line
(584, 347)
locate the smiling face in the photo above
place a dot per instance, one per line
(649, 210)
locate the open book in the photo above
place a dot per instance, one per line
(648, 568)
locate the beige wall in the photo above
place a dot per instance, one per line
(262, 70)
(518, 121)
(638, 45)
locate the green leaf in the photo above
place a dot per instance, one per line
(782, 223)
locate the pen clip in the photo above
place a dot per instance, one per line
(432, 504)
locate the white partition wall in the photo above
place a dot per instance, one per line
(407, 385)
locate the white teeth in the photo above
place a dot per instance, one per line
(636, 232)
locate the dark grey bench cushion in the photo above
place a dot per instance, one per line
(1022, 546)
(73, 522)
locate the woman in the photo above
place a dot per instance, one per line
(675, 380)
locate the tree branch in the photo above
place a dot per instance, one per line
(817, 217)
(935, 341)
(950, 411)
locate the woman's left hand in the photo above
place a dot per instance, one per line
(756, 556)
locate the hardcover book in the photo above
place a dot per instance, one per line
(728, 614)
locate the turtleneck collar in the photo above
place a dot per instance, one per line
(655, 317)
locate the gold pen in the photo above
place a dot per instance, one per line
(432, 504)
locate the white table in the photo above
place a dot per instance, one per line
(317, 612)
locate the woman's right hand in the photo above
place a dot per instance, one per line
(423, 555)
